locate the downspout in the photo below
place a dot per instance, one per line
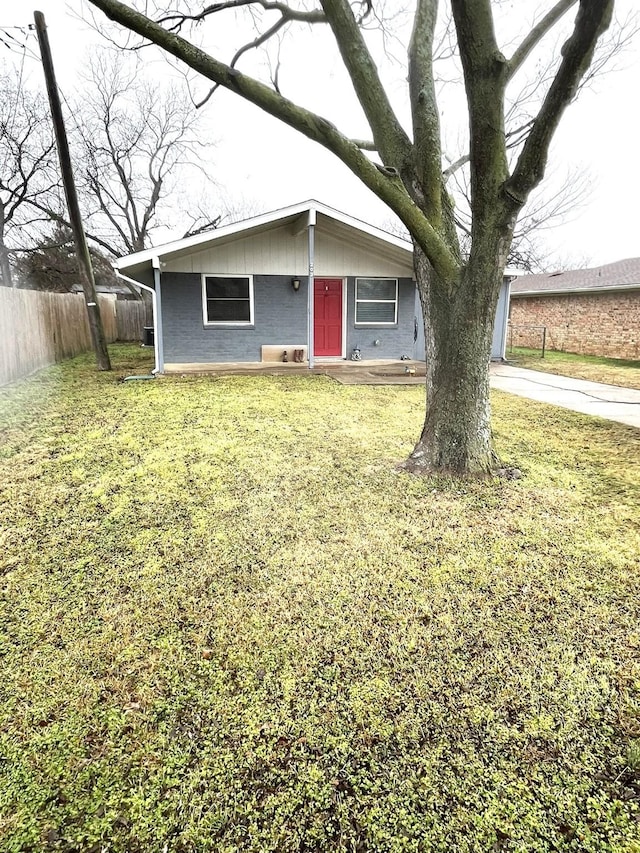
(155, 313)
(311, 289)
(158, 337)
(507, 312)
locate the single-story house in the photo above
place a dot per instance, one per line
(241, 293)
(591, 311)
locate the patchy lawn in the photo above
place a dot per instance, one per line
(611, 371)
(228, 625)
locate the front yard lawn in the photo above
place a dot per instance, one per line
(611, 371)
(227, 624)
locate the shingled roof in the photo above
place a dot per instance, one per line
(622, 275)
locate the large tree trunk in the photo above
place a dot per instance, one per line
(459, 319)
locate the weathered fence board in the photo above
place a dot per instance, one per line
(37, 329)
(131, 316)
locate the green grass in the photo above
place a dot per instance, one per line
(611, 371)
(227, 624)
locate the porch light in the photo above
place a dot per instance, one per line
(295, 284)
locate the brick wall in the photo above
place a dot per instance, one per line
(606, 324)
(280, 318)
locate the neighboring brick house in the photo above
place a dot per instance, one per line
(592, 312)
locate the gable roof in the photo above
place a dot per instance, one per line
(621, 275)
(275, 218)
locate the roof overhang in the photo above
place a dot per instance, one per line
(616, 288)
(298, 216)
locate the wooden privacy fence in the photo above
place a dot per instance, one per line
(131, 316)
(37, 329)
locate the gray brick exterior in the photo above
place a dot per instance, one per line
(394, 341)
(280, 317)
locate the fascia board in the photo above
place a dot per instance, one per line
(311, 207)
(614, 288)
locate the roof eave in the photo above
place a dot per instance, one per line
(568, 290)
(201, 240)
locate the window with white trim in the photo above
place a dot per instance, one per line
(377, 301)
(227, 299)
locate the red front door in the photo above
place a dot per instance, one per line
(327, 317)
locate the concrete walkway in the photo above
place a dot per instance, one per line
(591, 398)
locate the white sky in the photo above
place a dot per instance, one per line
(259, 162)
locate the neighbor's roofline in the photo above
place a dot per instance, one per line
(254, 222)
(561, 291)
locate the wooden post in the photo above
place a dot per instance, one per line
(82, 249)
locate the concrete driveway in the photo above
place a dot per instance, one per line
(591, 398)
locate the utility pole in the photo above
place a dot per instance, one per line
(82, 249)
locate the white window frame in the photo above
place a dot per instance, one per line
(205, 314)
(386, 301)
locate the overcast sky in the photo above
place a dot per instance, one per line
(264, 165)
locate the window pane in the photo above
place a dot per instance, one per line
(371, 288)
(375, 312)
(228, 310)
(227, 288)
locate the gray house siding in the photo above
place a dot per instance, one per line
(419, 346)
(280, 317)
(499, 343)
(394, 341)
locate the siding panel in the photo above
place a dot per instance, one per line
(276, 250)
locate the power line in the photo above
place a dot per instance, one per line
(15, 45)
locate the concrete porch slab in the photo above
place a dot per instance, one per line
(374, 372)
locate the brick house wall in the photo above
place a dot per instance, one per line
(606, 324)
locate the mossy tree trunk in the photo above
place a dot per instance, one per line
(459, 296)
(459, 321)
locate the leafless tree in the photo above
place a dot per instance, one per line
(458, 294)
(137, 144)
(557, 201)
(53, 265)
(27, 168)
(543, 212)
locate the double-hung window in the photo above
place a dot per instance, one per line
(227, 300)
(377, 301)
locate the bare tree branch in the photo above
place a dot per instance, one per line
(594, 16)
(453, 168)
(27, 165)
(306, 122)
(286, 13)
(388, 135)
(134, 138)
(484, 69)
(535, 36)
(424, 109)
